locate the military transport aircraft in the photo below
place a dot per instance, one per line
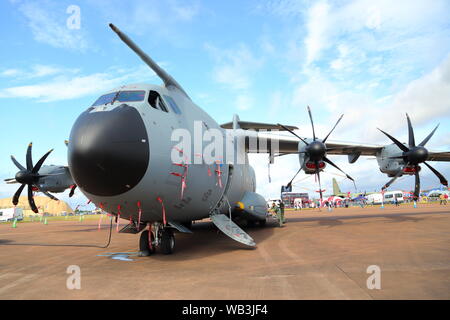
(122, 155)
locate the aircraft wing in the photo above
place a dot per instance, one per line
(289, 144)
(350, 148)
(438, 156)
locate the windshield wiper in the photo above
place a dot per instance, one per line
(115, 97)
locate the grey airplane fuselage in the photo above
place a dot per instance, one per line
(158, 185)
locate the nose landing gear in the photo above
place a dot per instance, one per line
(156, 237)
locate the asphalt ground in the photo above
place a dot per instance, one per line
(316, 255)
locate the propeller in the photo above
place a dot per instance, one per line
(413, 155)
(29, 176)
(316, 151)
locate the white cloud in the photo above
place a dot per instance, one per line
(65, 87)
(163, 20)
(244, 102)
(234, 67)
(317, 27)
(10, 73)
(49, 26)
(36, 71)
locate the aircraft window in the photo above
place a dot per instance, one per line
(123, 96)
(106, 98)
(156, 102)
(129, 96)
(172, 104)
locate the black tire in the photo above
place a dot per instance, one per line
(167, 241)
(144, 245)
(262, 223)
(187, 224)
(250, 223)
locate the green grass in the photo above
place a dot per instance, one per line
(94, 217)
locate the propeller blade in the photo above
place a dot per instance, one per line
(411, 140)
(40, 162)
(72, 190)
(9, 179)
(312, 123)
(17, 195)
(318, 179)
(332, 129)
(399, 173)
(29, 158)
(398, 143)
(334, 165)
(424, 142)
(49, 195)
(440, 176)
(31, 199)
(417, 184)
(290, 182)
(18, 165)
(287, 129)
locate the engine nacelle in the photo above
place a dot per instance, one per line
(309, 167)
(386, 163)
(58, 179)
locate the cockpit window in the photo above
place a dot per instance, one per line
(122, 96)
(129, 96)
(172, 104)
(107, 98)
(154, 99)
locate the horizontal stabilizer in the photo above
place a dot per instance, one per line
(246, 125)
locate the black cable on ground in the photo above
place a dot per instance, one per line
(65, 245)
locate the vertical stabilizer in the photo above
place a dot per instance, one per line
(336, 189)
(236, 122)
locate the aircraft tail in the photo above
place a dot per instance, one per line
(336, 189)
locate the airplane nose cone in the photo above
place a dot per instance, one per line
(108, 151)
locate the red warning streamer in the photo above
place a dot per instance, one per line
(101, 217)
(163, 209)
(140, 213)
(183, 175)
(219, 173)
(150, 244)
(118, 217)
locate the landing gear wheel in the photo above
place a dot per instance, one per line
(167, 241)
(187, 224)
(144, 245)
(250, 223)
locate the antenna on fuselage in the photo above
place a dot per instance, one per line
(167, 78)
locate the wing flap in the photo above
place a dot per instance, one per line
(246, 125)
(438, 156)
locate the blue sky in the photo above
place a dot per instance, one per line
(265, 60)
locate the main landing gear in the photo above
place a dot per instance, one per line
(158, 237)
